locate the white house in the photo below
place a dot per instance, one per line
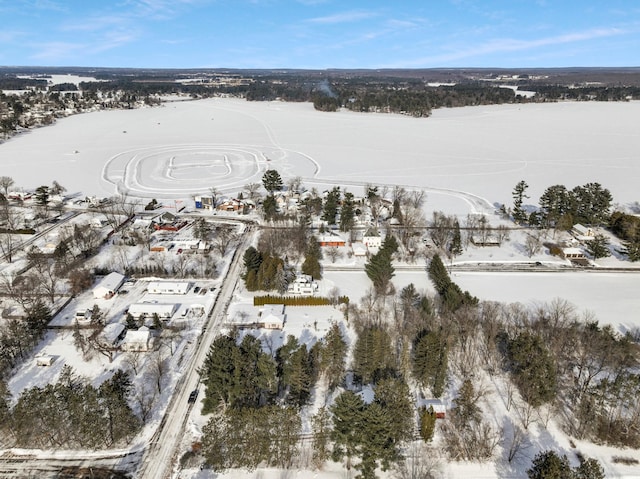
(168, 287)
(163, 310)
(108, 285)
(582, 233)
(303, 285)
(272, 316)
(139, 340)
(573, 253)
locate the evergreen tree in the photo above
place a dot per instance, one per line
(272, 181)
(589, 469)
(548, 465)
(269, 208)
(42, 195)
(380, 271)
(331, 203)
(519, 215)
(312, 257)
(333, 356)
(430, 361)
(372, 356)
(348, 418)
(598, 246)
(394, 396)
(438, 274)
(533, 368)
(465, 410)
(555, 202)
(455, 246)
(378, 445)
(321, 431)
(427, 423)
(347, 212)
(631, 249)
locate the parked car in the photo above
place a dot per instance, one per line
(196, 290)
(193, 396)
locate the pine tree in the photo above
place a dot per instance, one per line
(347, 212)
(548, 465)
(348, 418)
(379, 445)
(312, 257)
(331, 203)
(455, 246)
(372, 356)
(519, 215)
(394, 396)
(430, 361)
(427, 423)
(333, 356)
(438, 274)
(598, 246)
(380, 271)
(272, 181)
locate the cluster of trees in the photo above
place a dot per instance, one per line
(560, 208)
(256, 396)
(18, 337)
(549, 465)
(71, 413)
(627, 228)
(265, 272)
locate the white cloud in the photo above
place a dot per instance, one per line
(344, 17)
(513, 45)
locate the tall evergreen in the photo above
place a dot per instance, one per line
(272, 181)
(312, 257)
(347, 212)
(348, 418)
(331, 204)
(333, 356)
(394, 396)
(430, 361)
(372, 356)
(519, 215)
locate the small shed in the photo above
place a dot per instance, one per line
(45, 360)
(167, 287)
(438, 407)
(108, 286)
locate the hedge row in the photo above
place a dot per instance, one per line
(298, 300)
(20, 231)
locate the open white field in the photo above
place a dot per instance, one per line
(461, 156)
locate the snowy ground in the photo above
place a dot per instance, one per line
(466, 159)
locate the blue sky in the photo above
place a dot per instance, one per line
(320, 33)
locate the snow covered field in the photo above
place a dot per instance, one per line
(466, 159)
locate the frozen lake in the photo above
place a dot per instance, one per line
(184, 148)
